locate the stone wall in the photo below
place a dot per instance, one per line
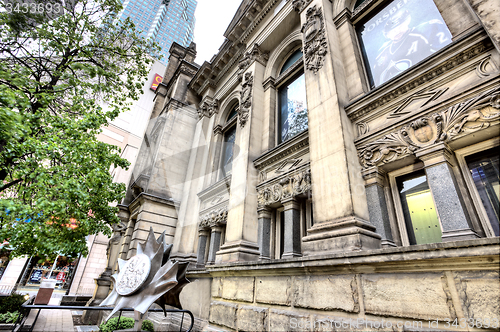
(425, 287)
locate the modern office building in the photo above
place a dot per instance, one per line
(164, 21)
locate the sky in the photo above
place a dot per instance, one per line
(212, 19)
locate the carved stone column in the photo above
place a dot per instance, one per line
(215, 238)
(202, 245)
(264, 233)
(446, 193)
(340, 206)
(377, 204)
(242, 224)
(291, 246)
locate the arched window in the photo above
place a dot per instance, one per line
(228, 143)
(292, 104)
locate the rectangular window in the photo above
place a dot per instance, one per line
(292, 108)
(421, 219)
(400, 35)
(484, 169)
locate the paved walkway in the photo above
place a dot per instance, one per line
(52, 320)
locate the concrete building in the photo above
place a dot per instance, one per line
(333, 167)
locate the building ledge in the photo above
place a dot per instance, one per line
(463, 255)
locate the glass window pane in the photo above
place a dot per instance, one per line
(227, 160)
(420, 214)
(484, 170)
(291, 60)
(293, 108)
(400, 35)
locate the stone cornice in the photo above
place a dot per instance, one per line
(443, 64)
(343, 17)
(283, 150)
(186, 68)
(139, 200)
(217, 188)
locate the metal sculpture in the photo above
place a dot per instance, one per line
(146, 278)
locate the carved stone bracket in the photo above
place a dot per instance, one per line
(313, 31)
(474, 114)
(300, 5)
(246, 99)
(287, 187)
(255, 54)
(214, 218)
(208, 108)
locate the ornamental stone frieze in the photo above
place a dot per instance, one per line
(461, 119)
(255, 54)
(214, 218)
(300, 5)
(246, 99)
(315, 46)
(289, 186)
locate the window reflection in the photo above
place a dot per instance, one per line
(293, 108)
(484, 170)
(420, 215)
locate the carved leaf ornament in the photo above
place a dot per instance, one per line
(287, 187)
(246, 99)
(474, 114)
(315, 46)
(214, 218)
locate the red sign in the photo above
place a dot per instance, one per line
(156, 81)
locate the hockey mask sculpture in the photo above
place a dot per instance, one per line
(146, 278)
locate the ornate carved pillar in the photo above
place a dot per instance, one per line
(340, 207)
(264, 233)
(202, 245)
(291, 247)
(377, 205)
(215, 238)
(445, 192)
(241, 229)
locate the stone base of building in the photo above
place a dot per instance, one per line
(346, 234)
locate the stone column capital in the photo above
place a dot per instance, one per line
(217, 229)
(290, 203)
(269, 83)
(264, 212)
(203, 232)
(374, 175)
(435, 154)
(217, 130)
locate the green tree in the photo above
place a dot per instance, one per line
(63, 75)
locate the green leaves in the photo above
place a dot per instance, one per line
(61, 81)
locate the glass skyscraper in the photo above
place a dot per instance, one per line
(165, 21)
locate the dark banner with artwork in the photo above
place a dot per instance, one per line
(400, 35)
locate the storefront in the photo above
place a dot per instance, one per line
(39, 268)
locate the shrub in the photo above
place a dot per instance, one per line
(125, 323)
(9, 317)
(11, 303)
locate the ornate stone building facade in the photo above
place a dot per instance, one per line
(335, 163)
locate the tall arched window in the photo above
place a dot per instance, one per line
(228, 143)
(292, 104)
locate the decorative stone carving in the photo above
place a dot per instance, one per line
(287, 187)
(313, 31)
(255, 54)
(472, 115)
(208, 108)
(429, 95)
(246, 99)
(362, 128)
(214, 218)
(300, 5)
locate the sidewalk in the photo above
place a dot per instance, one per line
(52, 320)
